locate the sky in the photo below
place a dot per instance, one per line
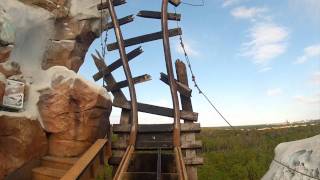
(258, 61)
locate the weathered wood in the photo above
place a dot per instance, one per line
(194, 161)
(183, 79)
(85, 161)
(116, 64)
(121, 145)
(157, 15)
(175, 2)
(122, 21)
(123, 84)
(183, 89)
(144, 39)
(115, 3)
(157, 128)
(118, 94)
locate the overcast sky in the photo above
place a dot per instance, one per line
(259, 61)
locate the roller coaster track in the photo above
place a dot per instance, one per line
(130, 108)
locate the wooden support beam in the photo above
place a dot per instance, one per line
(183, 89)
(119, 97)
(123, 84)
(118, 63)
(175, 2)
(157, 15)
(157, 128)
(121, 145)
(182, 77)
(115, 3)
(157, 110)
(122, 21)
(144, 39)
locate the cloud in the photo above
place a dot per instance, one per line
(307, 8)
(314, 99)
(310, 52)
(227, 3)
(191, 50)
(265, 69)
(267, 41)
(274, 92)
(315, 79)
(243, 12)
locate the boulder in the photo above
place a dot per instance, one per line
(21, 140)
(75, 114)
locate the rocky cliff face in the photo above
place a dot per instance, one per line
(302, 156)
(43, 43)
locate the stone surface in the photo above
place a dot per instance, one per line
(75, 114)
(21, 140)
(5, 53)
(2, 89)
(10, 69)
(7, 32)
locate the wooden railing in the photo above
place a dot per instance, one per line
(91, 162)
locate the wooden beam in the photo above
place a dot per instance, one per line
(157, 110)
(115, 3)
(175, 2)
(123, 84)
(122, 21)
(86, 160)
(121, 145)
(116, 64)
(144, 39)
(157, 15)
(119, 97)
(157, 128)
(183, 89)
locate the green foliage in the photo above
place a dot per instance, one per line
(244, 154)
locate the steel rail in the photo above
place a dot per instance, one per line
(172, 84)
(134, 107)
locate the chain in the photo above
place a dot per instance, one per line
(187, 59)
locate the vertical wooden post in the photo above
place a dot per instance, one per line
(186, 103)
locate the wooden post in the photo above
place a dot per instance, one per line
(187, 106)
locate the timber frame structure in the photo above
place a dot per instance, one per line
(161, 144)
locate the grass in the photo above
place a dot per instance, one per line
(244, 154)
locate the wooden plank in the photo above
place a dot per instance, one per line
(121, 145)
(157, 110)
(183, 79)
(175, 2)
(144, 39)
(194, 161)
(121, 21)
(115, 3)
(157, 128)
(157, 15)
(116, 64)
(86, 159)
(118, 94)
(123, 84)
(183, 89)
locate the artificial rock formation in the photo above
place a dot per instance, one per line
(43, 43)
(75, 115)
(21, 140)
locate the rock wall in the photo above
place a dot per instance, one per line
(43, 43)
(302, 156)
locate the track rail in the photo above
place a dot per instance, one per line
(120, 99)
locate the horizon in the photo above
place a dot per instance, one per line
(258, 61)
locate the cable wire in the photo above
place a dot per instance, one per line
(187, 59)
(191, 4)
(282, 164)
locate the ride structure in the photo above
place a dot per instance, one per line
(148, 151)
